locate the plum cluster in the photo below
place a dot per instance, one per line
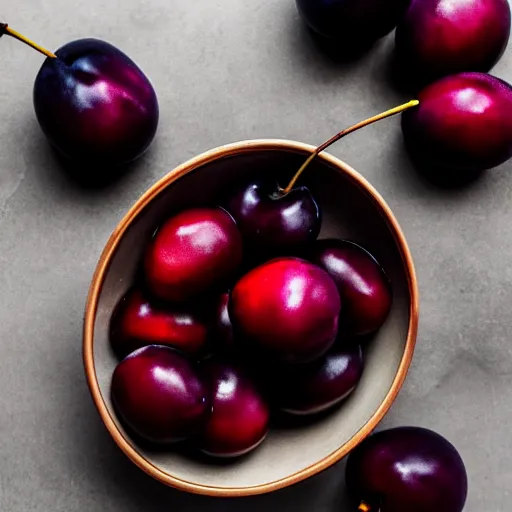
(463, 124)
(211, 342)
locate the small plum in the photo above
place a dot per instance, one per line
(273, 223)
(160, 395)
(138, 321)
(240, 416)
(407, 469)
(463, 123)
(95, 105)
(196, 252)
(437, 38)
(287, 308)
(362, 284)
(320, 385)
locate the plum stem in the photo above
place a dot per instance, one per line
(5, 29)
(346, 131)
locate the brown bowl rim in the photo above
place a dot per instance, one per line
(104, 264)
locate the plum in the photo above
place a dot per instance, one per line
(196, 252)
(320, 385)
(463, 123)
(407, 469)
(364, 288)
(160, 395)
(288, 308)
(240, 416)
(437, 38)
(139, 321)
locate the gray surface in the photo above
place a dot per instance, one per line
(227, 70)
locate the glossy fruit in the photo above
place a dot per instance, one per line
(287, 308)
(362, 284)
(197, 251)
(95, 105)
(442, 37)
(352, 20)
(273, 223)
(239, 419)
(159, 394)
(221, 330)
(407, 469)
(463, 123)
(138, 322)
(320, 385)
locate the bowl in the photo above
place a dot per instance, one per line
(352, 209)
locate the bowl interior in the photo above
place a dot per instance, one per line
(349, 211)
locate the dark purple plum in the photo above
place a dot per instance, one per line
(221, 329)
(352, 21)
(196, 252)
(95, 105)
(240, 416)
(138, 321)
(407, 469)
(272, 222)
(463, 123)
(437, 38)
(287, 308)
(277, 221)
(363, 286)
(318, 386)
(160, 395)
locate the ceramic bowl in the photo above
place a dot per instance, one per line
(351, 209)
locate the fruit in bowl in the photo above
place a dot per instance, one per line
(198, 251)
(139, 321)
(273, 223)
(363, 286)
(239, 419)
(288, 308)
(284, 312)
(320, 385)
(160, 395)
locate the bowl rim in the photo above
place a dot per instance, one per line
(103, 265)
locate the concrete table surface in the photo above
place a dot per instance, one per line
(227, 70)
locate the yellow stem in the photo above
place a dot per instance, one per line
(20, 37)
(346, 131)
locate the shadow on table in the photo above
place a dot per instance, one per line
(443, 179)
(341, 51)
(321, 60)
(60, 179)
(395, 73)
(323, 492)
(91, 178)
